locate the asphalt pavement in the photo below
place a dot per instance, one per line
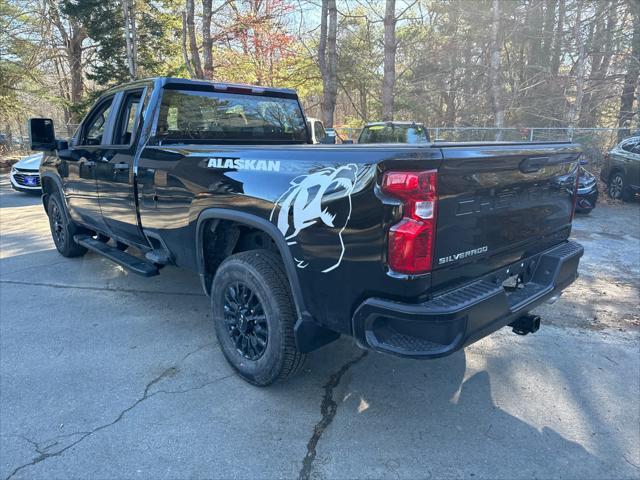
(110, 376)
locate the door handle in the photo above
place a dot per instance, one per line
(121, 167)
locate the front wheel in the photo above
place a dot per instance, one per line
(63, 230)
(254, 315)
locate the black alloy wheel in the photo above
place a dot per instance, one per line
(246, 321)
(62, 229)
(57, 225)
(253, 315)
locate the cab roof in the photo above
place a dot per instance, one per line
(189, 84)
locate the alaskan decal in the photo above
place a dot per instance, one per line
(319, 200)
(461, 255)
(244, 164)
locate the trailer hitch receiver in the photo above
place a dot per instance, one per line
(526, 324)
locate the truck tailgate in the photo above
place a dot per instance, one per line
(500, 203)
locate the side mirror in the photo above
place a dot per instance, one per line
(328, 140)
(41, 134)
(347, 142)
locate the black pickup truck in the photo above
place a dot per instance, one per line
(414, 250)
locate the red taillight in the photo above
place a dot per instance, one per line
(412, 239)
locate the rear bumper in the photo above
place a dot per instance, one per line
(457, 318)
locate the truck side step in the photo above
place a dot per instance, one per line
(131, 263)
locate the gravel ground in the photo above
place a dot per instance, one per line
(107, 375)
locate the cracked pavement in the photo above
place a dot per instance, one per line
(107, 375)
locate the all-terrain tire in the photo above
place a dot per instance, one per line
(62, 229)
(260, 273)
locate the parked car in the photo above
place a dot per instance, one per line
(415, 250)
(394, 132)
(25, 174)
(587, 191)
(621, 170)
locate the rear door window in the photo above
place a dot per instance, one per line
(126, 122)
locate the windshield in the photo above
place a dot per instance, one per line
(394, 134)
(217, 117)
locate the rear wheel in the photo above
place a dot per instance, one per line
(618, 189)
(253, 316)
(62, 230)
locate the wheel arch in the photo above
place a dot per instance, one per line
(254, 222)
(50, 185)
(308, 333)
(616, 169)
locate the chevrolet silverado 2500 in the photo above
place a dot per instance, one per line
(414, 250)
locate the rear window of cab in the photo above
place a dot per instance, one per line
(220, 117)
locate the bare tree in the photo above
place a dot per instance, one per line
(189, 20)
(575, 107)
(328, 59)
(128, 8)
(494, 71)
(558, 38)
(390, 48)
(626, 113)
(207, 40)
(73, 34)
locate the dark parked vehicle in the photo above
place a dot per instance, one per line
(587, 191)
(621, 170)
(394, 132)
(415, 250)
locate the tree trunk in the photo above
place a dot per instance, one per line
(494, 71)
(364, 108)
(128, 8)
(601, 55)
(558, 39)
(185, 53)
(207, 41)
(549, 22)
(626, 114)
(328, 60)
(390, 47)
(193, 45)
(580, 64)
(74, 58)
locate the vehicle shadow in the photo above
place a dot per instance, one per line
(411, 419)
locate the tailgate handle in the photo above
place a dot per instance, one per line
(533, 164)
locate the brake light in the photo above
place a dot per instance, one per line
(412, 239)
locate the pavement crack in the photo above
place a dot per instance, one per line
(328, 409)
(43, 454)
(100, 289)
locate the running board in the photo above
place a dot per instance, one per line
(131, 263)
